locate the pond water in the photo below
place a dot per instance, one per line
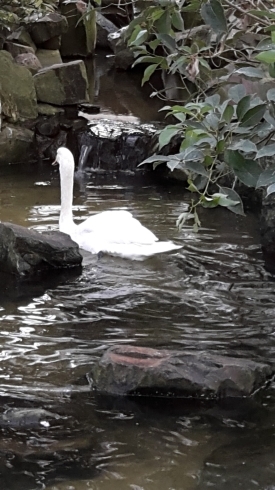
(214, 295)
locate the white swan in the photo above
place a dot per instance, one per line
(113, 232)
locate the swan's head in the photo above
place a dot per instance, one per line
(65, 159)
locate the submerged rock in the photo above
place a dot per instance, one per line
(26, 252)
(131, 370)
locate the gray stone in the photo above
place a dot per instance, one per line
(27, 252)
(30, 61)
(15, 49)
(49, 110)
(47, 27)
(104, 28)
(62, 84)
(49, 57)
(16, 144)
(22, 36)
(131, 370)
(27, 417)
(73, 42)
(17, 91)
(115, 145)
(124, 57)
(79, 40)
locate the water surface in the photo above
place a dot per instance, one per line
(214, 295)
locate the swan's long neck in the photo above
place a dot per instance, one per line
(66, 224)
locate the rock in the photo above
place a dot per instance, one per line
(49, 110)
(27, 252)
(21, 36)
(62, 84)
(120, 12)
(124, 57)
(27, 418)
(49, 126)
(116, 145)
(47, 27)
(79, 40)
(4, 32)
(267, 225)
(15, 49)
(49, 57)
(104, 28)
(30, 61)
(16, 144)
(131, 370)
(17, 91)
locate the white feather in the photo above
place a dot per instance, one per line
(113, 232)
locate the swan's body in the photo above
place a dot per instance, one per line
(113, 232)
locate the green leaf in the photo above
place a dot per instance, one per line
(228, 113)
(163, 24)
(141, 37)
(246, 146)
(148, 72)
(168, 41)
(271, 70)
(270, 94)
(213, 100)
(270, 189)
(156, 158)
(220, 147)
(266, 56)
(224, 200)
(148, 59)
(267, 177)
(246, 170)
(196, 167)
(212, 120)
(266, 151)
(236, 93)
(167, 134)
(250, 72)
(262, 13)
(232, 194)
(253, 116)
(177, 21)
(243, 106)
(213, 14)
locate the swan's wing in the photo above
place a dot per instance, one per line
(115, 227)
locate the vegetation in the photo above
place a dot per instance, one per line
(222, 135)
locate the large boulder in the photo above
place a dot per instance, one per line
(62, 84)
(16, 144)
(27, 252)
(124, 56)
(79, 39)
(115, 146)
(132, 370)
(50, 26)
(17, 91)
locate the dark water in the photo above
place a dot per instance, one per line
(214, 295)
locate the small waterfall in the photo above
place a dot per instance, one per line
(84, 153)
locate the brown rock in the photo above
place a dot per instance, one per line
(132, 370)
